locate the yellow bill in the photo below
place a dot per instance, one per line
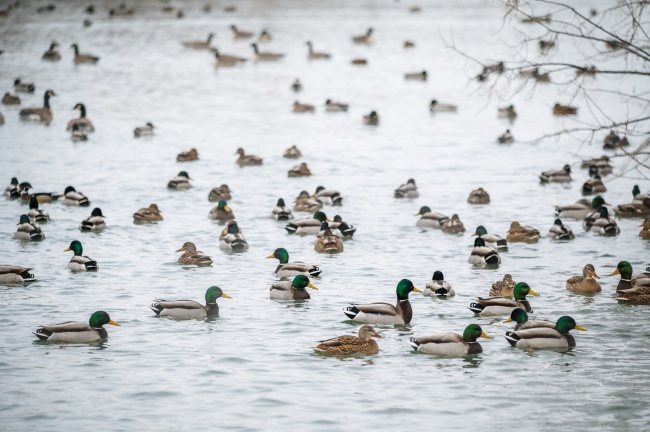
(416, 290)
(224, 295)
(486, 336)
(309, 285)
(111, 322)
(580, 328)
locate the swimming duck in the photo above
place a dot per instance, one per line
(303, 108)
(328, 242)
(601, 224)
(77, 332)
(359, 62)
(308, 226)
(35, 214)
(584, 283)
(508, 112)
(247, 160)
(291, 290)
(42, 115)
(265, 36)
(9, 99)
(12, 187)
(94, 222)
(579, 210)
(384, 313)
(78, 262)
(240, 34)
(371, 119)
(21, 87)
(345, 229)
(429, 219)
(524, 234)
(629, 283)
(300, 171)
(290, 269)
(146, 130)
(83, 123)
(560, 176)
(416, 76)
(281, 212)
(292, 153)
(227, 60)
(600, 166)
(559, 231)
(83, 58)
(221, 212)
(645, 231)
(306, 203)
(491, 240)
(365, 39)
(562, 110)
(503, 305)
(188, 156)
(451, 344)
(328, 196)
(77, 134)
(520, 316)
(544, 337)
(593, 186)
(331, 106)
(23, 191)
(634, 210)
(503, 288)
(408, 190)
(436, 106)
(545, 46)
(199, 45)
(613, 141)
(28, 231)
(453, 225)
(296, 86)
(408, 44)
(482, 255)
(190, 309)
(478, 196)
(346, 345)
(313, 55)
(438, 287)
(506, 138)
(15, 275)
(191, 256)
(265, 56)
(180, 182)
(222, 192)
(73, 198)
(149, 214)
(232, 239)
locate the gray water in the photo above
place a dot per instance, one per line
(252, 368)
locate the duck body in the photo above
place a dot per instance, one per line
(15, 275)
(231, 239)
(580, 210)
(559, 231)
(506, 138)
(385, 313)
(586, 282)
(482, 255)
(309, 226)
(188, 156)
(451, 344)
(191, 256)
(601, 223)
(416, 76)
(73, 198)
(36, 215)
(292, 153)
(307, 203)
(341, 228)
(281, 211)
(479, 196)
(21, 87)
(331, 106)
(42, 115)
(507, 112)
(438, 287)
(28, 231)
(301, 170)
(190, 309)
(303, 108)
(141, 131)
(560, 176)
(563, 110)
(601, 165)
(347, 345)
(292, 269)
(453, 225)
(222, 192)
(328, 242)
(522, 234)
(247, 160)
(83, 58)
(593, 186)
(492, 306)
(544, 337)
(371, 119)
(180, 182)
(149, 214)
(80, 263)
(221, 212)
(435, 107)
(407, 190)
(492, 241)
(632, 289)
(291, 290)
(9, 99)
(503, 288)
(328, 196)
(77, 332)
(428, 219)
(94, 222)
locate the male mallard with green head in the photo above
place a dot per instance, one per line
(77, 332)
(385, 313)
(15, 275)
(295, 268)
(291, 290)
(35, 214)
(438, 287)
(191, 256)
(451, 344)
(307, 226)
(180, 182)
(94, 222)
(28, 231)
(221, 212)
(190, 309)
(520, 316)
(428, 219)
(232, 239)
(544, 337)
(482, 255)
(504, 305)
(281, 211)
(78, 262)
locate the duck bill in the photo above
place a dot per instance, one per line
(378, 336)
(66, 250)
(328, 220)
(486, 336)
(111, 322)
(416, 290)
(270, 256)
(531, 292)
(224, 295)
(309, 285)
(615, 272)
(474, 235)
(417, 214)
(226, 208)
(595, 276)
(508, 320)
(180, 250)
(581, 328)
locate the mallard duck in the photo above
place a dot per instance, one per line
(579, 210)
(328, 242)
(482, 255)
(506, 138)
(303, 108)
(190, 309)
(601, 224)
(544, 337)
(188, 156)
(77, 134)
(306, 203)
(520, 316)
(28, 231)
(94, 222)
(416, 76)
(560, 176)
(300, 171)
(313, 55)
(240, 34)
(504, 305)
(593, 186)
(73, 198)
(232, 239)
(296, 86)
(221, 212)
(645, 231)
(633, 210)
(345, 229)
(12, 187)
(584, 283)
(429, 219)
(478, 196)
(308, 226)
(290, 269)
(146, 130)
(503, 288)
(408, 44)
(371, 119)
(365, 39)
(180, 182)
(563, 110)
(83, 58)
(491, 240)
(199, 45)
(291, 290)
(21, 87)
(191, 256)
(42, 115)
(631, 284)
(508, 112)
(331, 106)
(281, 212)
(77, 332)
(559, 231)
(265, 36)
(523, 234)
(35, 214)
(247, 160)
(600, 166)
(227, 60)
(451, 344)
(15, 275)
(328, 196)
(438, 287)
(638, 197)
(436, 106)
(545, 46)
(9, 99)
(407, 190)
(359, 62)
(82, 122)
(292, 153)
(78, 262)
(23, 193)
(613, 141)
(149, 214)
(346, 345)
(384, 313)
(222, 192)
(453, 225)
(265, 56)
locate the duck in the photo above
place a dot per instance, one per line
(416, 76)
(296, 86)
(546, 338)
(291, 269)
(585, 283)
(308, 226)
(291, 290)
(506, 138)
(503, 305)
(149, 214)
(371, 119)
(645, 231)
(613, 141)
(563, 110)
(306, 203)
(478, 196)
(77, 134)
(593, 186)
(299, 171)
(408, 44)
(545, 46)
(281, 212)
(633, 210)
(523, 234)
(364, 39)
(508, 112)
(451, 344)
(385, 313)
(600, 166)
(15, 275)
(52, 54)
(520, 316)
(407, 190)
(180, 182)
(21, 87)
(191, 256)
(560, 176)
(247, 160)
(638, 197)
(188, 156)
(240, 34)
(12, 187)
(82, 122)
(227, 60)
(359, 62)
(221, 212)
(78, 262)
(77, 332)
(303, 108)
(28, 231)
(345, 229)
(199, 45)
(482, 255)
(632, 285)
(35, 214)
(559, 231)
(146, 130)
(438, 287)
(503, 288)
(9, 99)
(328, 196)
(453, 225)
(292, 153)
(313, 55)
(347, 345)
(579, 210)
(491, 240)
(601, 224)
(42, 115)
(190, 309)
(222, 192)
(23, 192)
(429, 219)
(73, 198)
(264, 36)
(94, 222)
(83, 58)
(232, 239)
(265, 56)
(331, 106)
(121, 11)
(436, 106)
(328, 242)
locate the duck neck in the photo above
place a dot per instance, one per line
(82, 111)
(212, 309)
(76, 50)
(405, 310)
(46, 100)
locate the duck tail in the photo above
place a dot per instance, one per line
(414, 343)
(156, 307)
(86, 226)
(42, 333)
(238, 245)
(172, 185)
(492, 259)
(351, 312)
(92, 266)
(611, 230)
(283, 216)
(315, 271)
(291, 228)
(36, 235)
(337, 200)
(476, 308)
(512, 338)
(27, 276)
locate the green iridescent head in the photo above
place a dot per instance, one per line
(623, 268)
(184, 174)
(565, 324)
(233, 228)
(76, 247)
(14, 181)
(597, 202)
(69, 189)
(404, 287)
(302, 282)
(24, 219)
(635, 190)
(280, 203)
(423, 210)
(479, 242)
(281, 254)
(320, 216)
(473, 332)
(480, 230)
(25, 186)
(338, 218)
(97, 212)
(222, 205)
(100, 319)
(213, 293)
(518, 315)
(522, 290)
(373, 114)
